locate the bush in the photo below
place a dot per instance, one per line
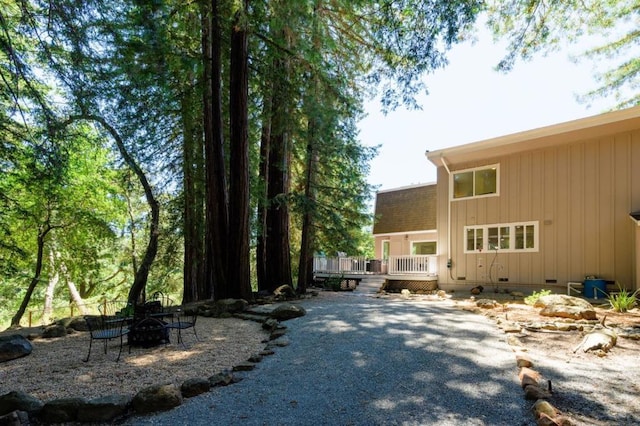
(531, 300)
(622, 301)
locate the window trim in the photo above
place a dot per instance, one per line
(512, 237)
(495, 166)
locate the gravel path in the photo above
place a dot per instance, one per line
(359, 360)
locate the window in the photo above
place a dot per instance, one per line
(510, 237)
(385, 249)
(476, 182)
(423, 247)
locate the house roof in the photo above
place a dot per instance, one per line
(407, 209)
(567, 132)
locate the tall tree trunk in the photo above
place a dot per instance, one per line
(278, 266)
(42, 234)
(239, 261)
(217, 219)
(265, 141)
(193, 201)
(54, 278)
(305, 263)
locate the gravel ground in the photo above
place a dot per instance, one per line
(355, 359)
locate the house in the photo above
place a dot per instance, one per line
(540, 208)
(405, 221)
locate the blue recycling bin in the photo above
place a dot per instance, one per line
(594, 288)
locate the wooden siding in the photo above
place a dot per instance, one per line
(406, 210)
(581, 193)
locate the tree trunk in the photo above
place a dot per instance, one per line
(15, 320)
(54, 278)
(278, 265)
(305, 264)
(193, 200)
(217, 219)
(136, 292)
(265, 141)
(239, 261)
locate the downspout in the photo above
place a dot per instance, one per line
(450, 260)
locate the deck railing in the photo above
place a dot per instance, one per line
(395, 265)
(412, 264)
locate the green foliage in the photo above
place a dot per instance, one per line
(537, 26)
(623, 300)
(533, 298)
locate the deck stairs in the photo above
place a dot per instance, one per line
(370, 284)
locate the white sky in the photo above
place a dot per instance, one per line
(468, 101)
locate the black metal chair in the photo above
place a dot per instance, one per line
(112, 323)
(183, 320)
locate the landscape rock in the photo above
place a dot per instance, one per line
(15, 418)
(287, 311)
(486, 303)
(528, 377)
(19, 401)
(534, 393)
(603, 339)
(194, 387)
(223, 378)
(560, 305)
(284, 292)
(157, 398)
(244, 366)
(61, 410)
(14, 346)
(74, 323)
(55, 330)
(544, 408)
(104, 409)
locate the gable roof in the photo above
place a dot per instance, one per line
(585, 128)
(407, 209)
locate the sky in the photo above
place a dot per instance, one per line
(469, 101)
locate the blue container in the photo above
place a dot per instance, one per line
(594, 288)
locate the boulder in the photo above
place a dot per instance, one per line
(194, 387)
(224, 307)
(14, 346)
(19, 401)
(157, 398)
(55, 330)
(284, 292)
(287, 311)
(103, 409)
(61, 410)
(15, 418)
(560, 305)
(223, 378)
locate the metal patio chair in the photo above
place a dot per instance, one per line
(112, 323)
(183, 320)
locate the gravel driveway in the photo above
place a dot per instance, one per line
(355, 359)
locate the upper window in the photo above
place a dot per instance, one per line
(477, 182)
(508, 237)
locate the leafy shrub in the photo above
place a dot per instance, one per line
(531, 300)
(623, 300)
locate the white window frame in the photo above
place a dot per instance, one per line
(413, 243)
(474, 169)
(484, 230)
(388, 244)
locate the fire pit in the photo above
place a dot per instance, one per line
(148, 327)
